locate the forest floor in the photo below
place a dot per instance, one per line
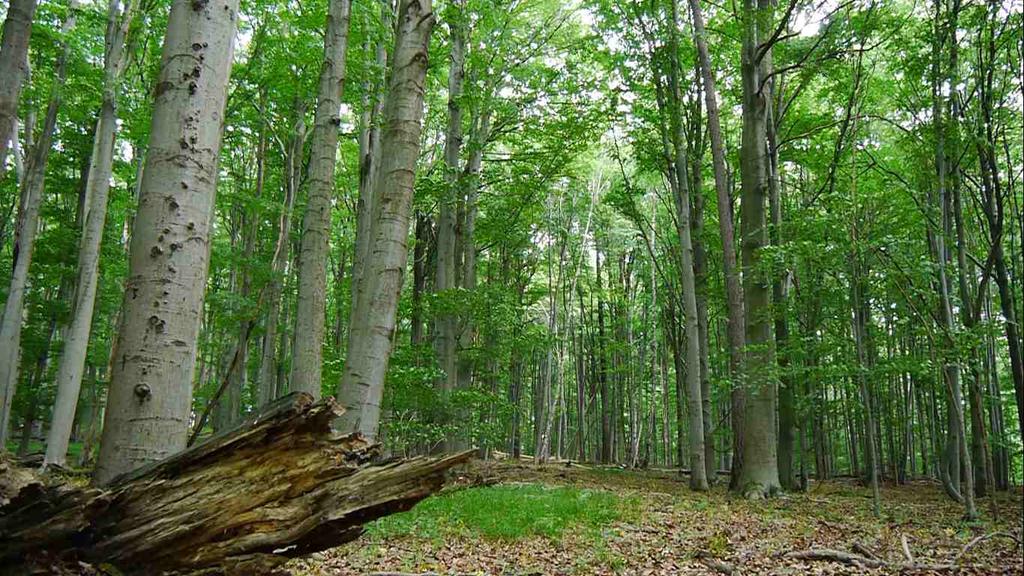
(538, 520)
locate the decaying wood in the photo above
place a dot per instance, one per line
(863, 550)
(279, 486)
(863, 562)
(719, 566)
(979, 539)
(906, 548)
(13, 478)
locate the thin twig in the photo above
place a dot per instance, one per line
(982, 538)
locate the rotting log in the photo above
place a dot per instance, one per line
(864, 563)
(279, 486)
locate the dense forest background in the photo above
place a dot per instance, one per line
(784, 240)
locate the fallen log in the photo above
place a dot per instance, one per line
(863, 562)
(279, 486)
(719, 566)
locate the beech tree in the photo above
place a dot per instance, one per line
(312, 275)
(372, 329)
(14, 41)
(72, 361)
(31, 193)
(150, 399)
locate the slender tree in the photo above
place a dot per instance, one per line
(76, 338)
(13, 69)
(372, 329)
(446, 324)
(681, 196)
(733, 288)
(758, 474)
(268, 384)
(316, 222)
(32, 189)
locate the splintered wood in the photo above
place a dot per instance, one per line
(279, 486)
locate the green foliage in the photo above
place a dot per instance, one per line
(574, 174)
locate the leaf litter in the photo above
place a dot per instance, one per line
(662, 527)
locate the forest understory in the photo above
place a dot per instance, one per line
(759, 240)
(648, 522)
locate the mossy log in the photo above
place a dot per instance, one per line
(279, 486)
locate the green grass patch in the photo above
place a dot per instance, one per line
(39, 447)
(503, 512)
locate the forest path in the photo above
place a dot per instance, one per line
(573, 520)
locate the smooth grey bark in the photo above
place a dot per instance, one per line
(97, 188)
(372, 330)
(310, 317)
(700, 272)
(957, 454)
(481, 133)
(735, 339)
(994, 192)
(32, 190)
(681, 196)
(758, 476)
(446, 323)
(369, 164)
(268, 385)
(14, 70)
(19, 166)
(150, 396)
(861, 325)
(780, 294)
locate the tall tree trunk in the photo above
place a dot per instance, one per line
(268, 385)
(982, 465)
(700, 273)
(861, 320)
(372, 330)
(602, 372)
(681, 196)
(957, 454)
(76, 338)
(470, 185)
(419, 278)
(992, 205)
(369, 164)
(735, 339)
(32, 188)
(13, 69)
(446, 323)
(229, 406)
(780, 295)
(316, 222)
(581, 381)
(759, 473)
(674, 338)
(150, 394)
